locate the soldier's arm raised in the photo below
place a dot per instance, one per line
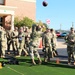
(43, 40)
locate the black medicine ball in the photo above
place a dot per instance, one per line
(44, 3)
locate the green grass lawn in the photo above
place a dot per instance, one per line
(25, 68)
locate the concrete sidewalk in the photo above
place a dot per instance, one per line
(62, 52)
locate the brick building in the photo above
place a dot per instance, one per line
(16, 8)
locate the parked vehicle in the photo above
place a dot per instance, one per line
(64, 34)
(58, 34)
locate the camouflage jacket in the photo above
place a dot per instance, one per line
(46, 39)
(69, 39)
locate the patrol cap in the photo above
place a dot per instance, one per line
(51, 29)
(71, 28)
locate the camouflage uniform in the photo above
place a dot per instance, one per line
(46, 39)
(0, 42)
(34, 43)
(71, 45)
(14, 35)
(3, 42)
(27, 39)
(54, 43)
(9, 39)
(21, 37)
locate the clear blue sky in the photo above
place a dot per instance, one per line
(58, 11)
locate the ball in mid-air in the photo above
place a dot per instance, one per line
(44, 3)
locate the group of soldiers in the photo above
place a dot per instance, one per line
(49, 41)
(28, 41)
(12, 39)
(21, 39)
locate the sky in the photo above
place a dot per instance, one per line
(61, 13)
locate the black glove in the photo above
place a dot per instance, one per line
(43, 50)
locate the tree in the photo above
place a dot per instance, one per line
(27, 22)
(17, 22)
(23, 22)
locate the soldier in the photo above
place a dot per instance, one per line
(9, 38)
(21, 37)
(54, 43)
(3, 42)
(27, 38)
(24, 28)
(46, 41)
(14, 35)
(0, 41)
(33, 45)
(70, 45)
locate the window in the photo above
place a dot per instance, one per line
(2, 2)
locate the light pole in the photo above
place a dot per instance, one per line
(73, 24)
(60, 26)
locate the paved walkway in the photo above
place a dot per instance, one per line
(62, 52)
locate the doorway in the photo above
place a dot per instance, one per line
(1, 21)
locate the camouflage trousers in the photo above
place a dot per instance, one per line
(3, 47)
(21, 47)
(15, 44)
(33, 51)
(11, 45)
(71, 53)
(47, 53)
(54, 51)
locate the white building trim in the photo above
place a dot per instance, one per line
(6, 12)
(7, 7)
(29, 0)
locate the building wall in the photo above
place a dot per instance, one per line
(24, 8)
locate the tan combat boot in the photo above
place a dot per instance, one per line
(26, 53)
(45, 59)
(33, 62)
